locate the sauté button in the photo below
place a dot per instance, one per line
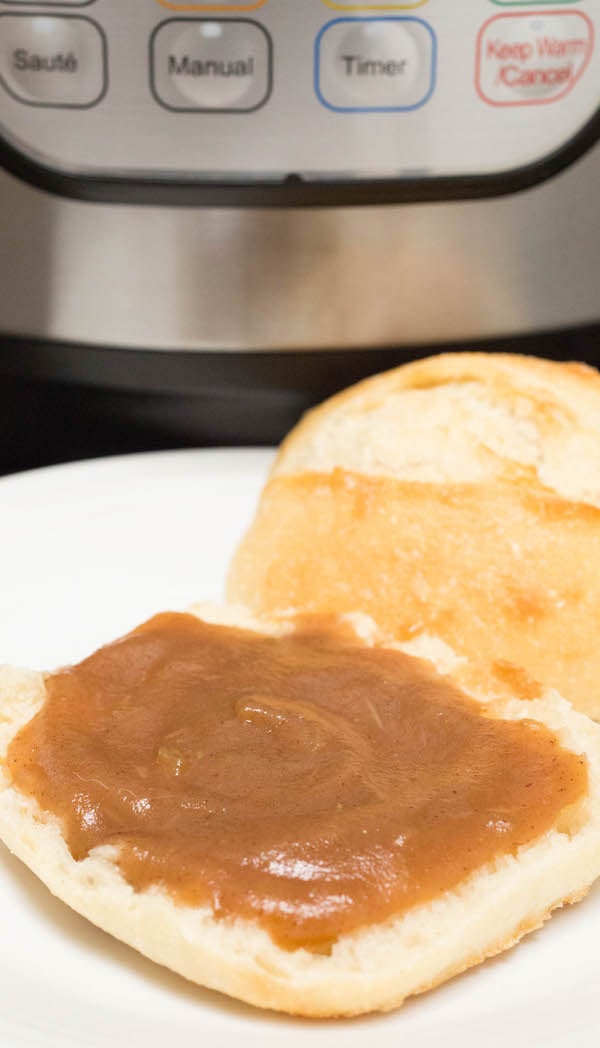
(52, 3)
(527, 59)
(52, 60)
(205, 65)
(375, 64)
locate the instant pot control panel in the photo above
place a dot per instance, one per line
(307, 90)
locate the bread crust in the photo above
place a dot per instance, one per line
(374, 969)
(458, 494)
(554, 402)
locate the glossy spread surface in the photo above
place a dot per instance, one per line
(306, 782)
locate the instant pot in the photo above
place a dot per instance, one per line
(212, 215)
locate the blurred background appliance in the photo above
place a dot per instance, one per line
(213, 215)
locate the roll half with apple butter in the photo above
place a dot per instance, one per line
(298, 813)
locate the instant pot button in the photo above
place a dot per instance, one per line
(527, 59)
(51, 60)
(375, 64)
(205, 65)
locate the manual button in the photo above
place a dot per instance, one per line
(52, 60)
(205, 65)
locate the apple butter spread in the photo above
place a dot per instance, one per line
(307, 782)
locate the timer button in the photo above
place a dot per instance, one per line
(206, 65)
(51, 60)
(375, 64)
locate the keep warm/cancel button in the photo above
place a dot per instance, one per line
(206, 65)
(526, 59)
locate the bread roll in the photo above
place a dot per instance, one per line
(458, 495)
(375, 968)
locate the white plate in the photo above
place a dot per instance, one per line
(87, 552)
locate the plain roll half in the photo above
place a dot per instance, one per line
(485, 902)
(458, 495)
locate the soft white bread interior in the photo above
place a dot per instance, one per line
(458, 495)
(373, 969)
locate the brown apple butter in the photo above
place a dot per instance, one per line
(306, 782)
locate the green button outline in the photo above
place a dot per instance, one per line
(532, 3)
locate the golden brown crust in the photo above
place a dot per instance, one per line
(554, 387)
(495, 571)
(472, 512)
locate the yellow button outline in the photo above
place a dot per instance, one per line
(174, 5)
(376, 7)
